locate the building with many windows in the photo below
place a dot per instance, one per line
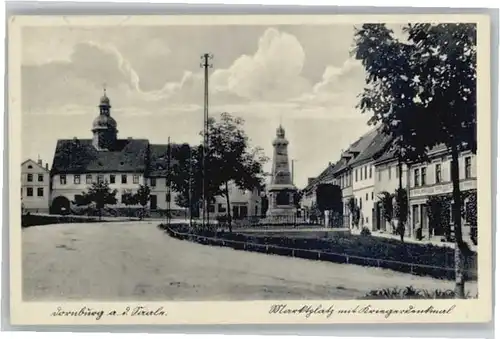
(369, 167)
(35, 188)
(123, 163)
(363, 187)
(434, 179)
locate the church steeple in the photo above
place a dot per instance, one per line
(104, 126)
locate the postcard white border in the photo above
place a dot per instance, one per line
(252, 312)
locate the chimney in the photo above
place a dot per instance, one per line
(47, 166)
(310, 181)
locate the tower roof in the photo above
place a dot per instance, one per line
(103, 122)
(104, 99)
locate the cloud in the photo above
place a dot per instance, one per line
(338, 88)
(272, 73)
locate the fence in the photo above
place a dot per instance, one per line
(275, 220)
(405, 267)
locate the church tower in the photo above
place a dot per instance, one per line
(281, 190)
(104, 126)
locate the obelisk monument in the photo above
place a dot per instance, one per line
(281, 191)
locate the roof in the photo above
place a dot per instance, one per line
(355, 149)
(374, 149)
(35, 163)
(159, 160)
(80, 156)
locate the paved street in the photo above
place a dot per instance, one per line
(136, 261)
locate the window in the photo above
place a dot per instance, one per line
(100, 178)
(416, 177)
(62, 179)
(211, 208)
(112, 179)
(366, 197)
(390, 172)
(76, 179)
(88, 178)
(379, 175)
(356, 175)
(366, 172)
(124, 178)
(135, 179)
(39, 191)
(370, 172)
(222, 208)
(360, 203)
(438, 173)
(423, 176)
(372, 195)
(153, 182)
(30, 177)
(40, 177)
(167, 197)
(468, 173)
(29, 191)
(397, 171)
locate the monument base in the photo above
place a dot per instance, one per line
(290, 211)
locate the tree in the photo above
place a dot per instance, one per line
(355, 212)
(329, 198)
(100, 194)
(142, 197)
(129, 199)
(401, 211)
(438, 210)
(230, 159)
(386, 199)
(264, 205)
(423, 93)
(186, 177)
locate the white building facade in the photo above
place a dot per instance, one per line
(35, 186)
(434, 179)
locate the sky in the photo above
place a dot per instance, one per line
(300, 75)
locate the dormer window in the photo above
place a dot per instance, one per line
(30, 167)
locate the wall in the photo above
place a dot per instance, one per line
(238, 197)
(363, 189)
(70, 189)
(35, 203)
(419, 194)
(160, 189)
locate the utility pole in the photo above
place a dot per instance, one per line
(169, 147)
(204, 195)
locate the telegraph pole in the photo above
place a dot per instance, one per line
(204, 195)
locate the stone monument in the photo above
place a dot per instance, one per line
(281, 191)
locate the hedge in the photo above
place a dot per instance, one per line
(352, 249)
(28, 220)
